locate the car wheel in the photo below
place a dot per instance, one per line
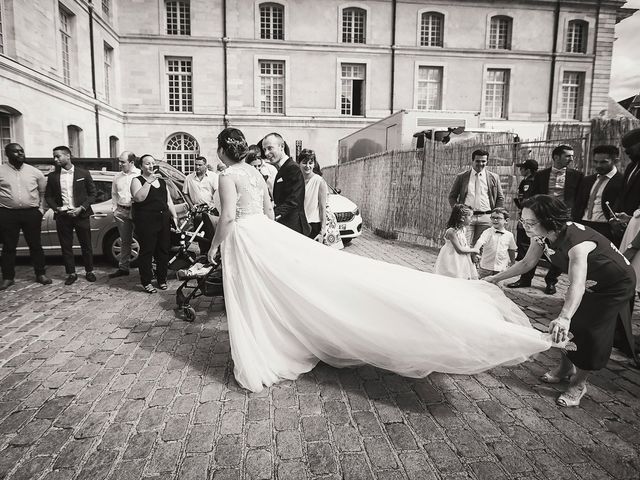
(113, 246)
(346, 241)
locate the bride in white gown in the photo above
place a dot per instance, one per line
(292, 302)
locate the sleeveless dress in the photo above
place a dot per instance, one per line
(292, 302)
(608, 295)
(450, 263)
(629, 234)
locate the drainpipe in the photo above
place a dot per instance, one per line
(225, 42)
(93, 80)
(595, 54)
(556, 28)
(393, 53)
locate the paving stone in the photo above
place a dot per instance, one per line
(291, 471)
(31, 432)
(128, 470)
(72, 453)
(380, 453)
(346, 438)
(336, 412)
(31, 469)
(417, 467)
(315, 428)
(130, 410)
(512, 459)
(200, 439)
(9, 458)
(401, 436)
(115, 436)
(227, 451)
(321, 458)
(288, 445)
(208, 412)
(258, 465)
(232, 422)
(139, 445)
(286, 419)
(15, 421)
(354, 467)
(151, 418)
(165, 457)
(51, 442)
(98, 465)
(259, 433)
(367, 423)
(93, 425)
(444, 458)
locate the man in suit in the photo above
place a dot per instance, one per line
(70, 193)
(481, 190)
(561, 182)
(629, 198)
(528, 170)
(288, 189)
(598, 190)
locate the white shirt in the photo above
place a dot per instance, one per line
(202, 190)
(121, 188)
(495, 249)
(598, 214)
(270, 172)
(66, 187)
(482, 204)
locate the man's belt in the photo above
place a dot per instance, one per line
(481, 212)
(126, 207)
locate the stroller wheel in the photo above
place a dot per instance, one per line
(189, 314)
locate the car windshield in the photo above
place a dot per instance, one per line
(171, 172)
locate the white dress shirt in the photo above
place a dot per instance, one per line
(66, 187)
(121, 188)
(478, 200)
(495, 249)
(598, 215)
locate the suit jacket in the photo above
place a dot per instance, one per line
(571, 184)
(84, 191)
(629, 199)
(609, 194)
(288, 196)
(458, 192)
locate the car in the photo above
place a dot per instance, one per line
(347, 214)
(104, 232)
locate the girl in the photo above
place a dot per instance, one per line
(454, 259)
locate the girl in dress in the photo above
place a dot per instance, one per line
(454, 259)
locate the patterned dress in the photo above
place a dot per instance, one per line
(608, 296)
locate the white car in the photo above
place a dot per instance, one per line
(347, 215)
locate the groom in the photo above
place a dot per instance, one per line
(288, 189)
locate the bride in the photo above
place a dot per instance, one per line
(292, 302)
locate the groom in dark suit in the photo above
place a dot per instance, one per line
(70, 193)
(288, 189)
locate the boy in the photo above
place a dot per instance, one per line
(498, 245)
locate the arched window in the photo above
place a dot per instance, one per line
(114, 146)
(577, 34)
(500, 32)
(181, 152)
(431, 29)
(271, 21)
(74, 133)
(354, 25)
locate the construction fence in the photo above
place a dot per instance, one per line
(404, 194)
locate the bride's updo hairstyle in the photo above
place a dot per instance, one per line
(233, 144)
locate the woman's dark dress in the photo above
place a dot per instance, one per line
(610, 289)
(152, 223)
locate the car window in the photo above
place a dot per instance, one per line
(103, 190)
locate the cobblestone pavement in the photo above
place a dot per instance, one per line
(103, 381)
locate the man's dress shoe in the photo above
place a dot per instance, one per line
(43, 279)
(6, 284)
(71, 279)
(550, 289)
(518, 284)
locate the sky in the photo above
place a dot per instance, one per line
(625, 68)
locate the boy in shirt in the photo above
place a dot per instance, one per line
(498, 245)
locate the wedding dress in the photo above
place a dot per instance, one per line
(292, 302)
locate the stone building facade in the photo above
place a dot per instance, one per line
(165, 76)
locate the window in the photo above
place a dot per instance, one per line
(271, 86)
(108, 62)
(431, 29)
(65, 44)
(577, 36)
(354, 25)
(180, 89)
(429, 88)
(500, 33)
(178, 18)
(271, 21)
(182, 150)
(74, 134)
(571, 95)
(103, 190)
(352, 98)
(496, 94)
(5, 129)
(114, 146)
(106, 9)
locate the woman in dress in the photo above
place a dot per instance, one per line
(454, 259)
(286, 310)
(152, 211)
(601, 287)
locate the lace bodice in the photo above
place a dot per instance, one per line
(250, 190)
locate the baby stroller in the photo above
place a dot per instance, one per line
(197, 275)
(199, 279)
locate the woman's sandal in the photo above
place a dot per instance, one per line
(551, 378)
(149, 288)
(163, 286)
(566, 400)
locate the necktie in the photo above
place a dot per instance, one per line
(592, 197)
(476, 193)
(632, 174)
